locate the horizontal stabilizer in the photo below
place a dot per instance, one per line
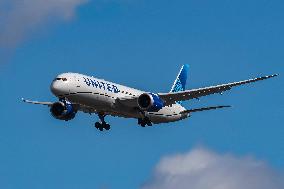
(204, 109)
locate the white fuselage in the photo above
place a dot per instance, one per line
(100, 96)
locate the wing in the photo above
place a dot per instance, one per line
(77, 107)
(37, 102)
(203, 109)
(171, 98)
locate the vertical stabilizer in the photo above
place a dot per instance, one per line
(180, 82)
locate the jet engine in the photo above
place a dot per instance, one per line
(63, 110)
(150, 102)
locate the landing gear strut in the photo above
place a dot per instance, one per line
(102, 125)
(145, 121)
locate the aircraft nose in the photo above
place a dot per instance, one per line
(54, 87)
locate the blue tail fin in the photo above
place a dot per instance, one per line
(180, 82)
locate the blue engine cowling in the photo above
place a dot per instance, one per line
(63, 110)
(150, 102)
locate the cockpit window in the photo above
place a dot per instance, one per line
(58, 79)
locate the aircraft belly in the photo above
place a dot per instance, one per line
(167, 114)
(164, 118)
(123, 111)
(98, 102)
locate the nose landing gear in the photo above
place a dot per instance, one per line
(145, 121)
(102, 125)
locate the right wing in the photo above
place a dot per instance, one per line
(172, 98)
(203, 109)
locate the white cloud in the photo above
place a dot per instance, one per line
(18, 18)
(204, 169)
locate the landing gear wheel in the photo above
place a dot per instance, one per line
(144, 122)
(149, 123)
(97, 125)
(107, 126)
(102, 124)
(140, 121)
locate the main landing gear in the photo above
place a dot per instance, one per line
(102, 125)
(145, 121)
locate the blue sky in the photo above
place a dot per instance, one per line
(142, 44)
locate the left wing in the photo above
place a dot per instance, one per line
(77, 107)
(171, 98)
(37, 102)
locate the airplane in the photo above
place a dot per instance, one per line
(78, 92)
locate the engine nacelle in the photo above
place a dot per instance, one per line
(150, 102)
(63, 110)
